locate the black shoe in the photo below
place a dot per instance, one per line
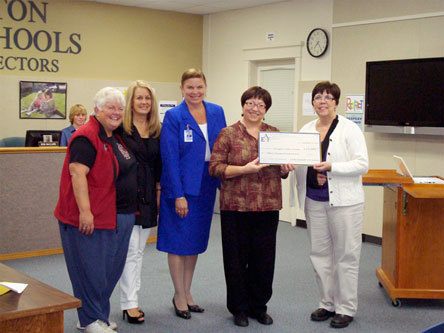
(185, 314)
(241, 319)
(264, 318)
(321, 315)
(340, 321)
(195, 308)
(133, 320)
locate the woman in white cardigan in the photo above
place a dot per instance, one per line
(333, 199)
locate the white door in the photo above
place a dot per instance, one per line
(280, 82)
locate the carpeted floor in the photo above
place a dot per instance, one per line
(295, 293)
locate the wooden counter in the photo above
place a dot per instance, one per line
(38, 309)
(29, 190)
(385, 177)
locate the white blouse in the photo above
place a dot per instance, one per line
(204, 129)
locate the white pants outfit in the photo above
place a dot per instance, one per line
(130, 279)
(335, 237)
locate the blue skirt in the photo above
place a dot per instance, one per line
(189, 235)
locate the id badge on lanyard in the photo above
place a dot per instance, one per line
(188, 134)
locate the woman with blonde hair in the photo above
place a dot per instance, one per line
(188, 191)
(77, 117)
(141, 131)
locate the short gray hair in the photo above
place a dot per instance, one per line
(108, 94)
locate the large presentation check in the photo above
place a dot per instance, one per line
(289, 148)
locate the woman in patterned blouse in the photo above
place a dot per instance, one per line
(250, 200)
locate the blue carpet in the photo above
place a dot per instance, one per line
(295, 293)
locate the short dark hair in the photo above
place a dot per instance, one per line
(329, 88)
(257, 92)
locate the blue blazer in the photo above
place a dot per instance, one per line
(183, 162)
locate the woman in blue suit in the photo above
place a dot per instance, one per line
(188, 191)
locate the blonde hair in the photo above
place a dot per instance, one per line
(153, 115)
(75, 110)
(191, 74)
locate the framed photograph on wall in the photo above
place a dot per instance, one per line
(42, 100)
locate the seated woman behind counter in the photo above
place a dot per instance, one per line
(77, 117)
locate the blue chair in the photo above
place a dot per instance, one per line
(14, 141)
(438, 328)
(2, 143)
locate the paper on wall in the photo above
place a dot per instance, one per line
(164, 106)
(307, 107)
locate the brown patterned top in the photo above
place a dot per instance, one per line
(247, 193)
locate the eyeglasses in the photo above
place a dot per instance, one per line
(327, 98)
(250, 105)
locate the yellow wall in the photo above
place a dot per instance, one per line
(118, 44)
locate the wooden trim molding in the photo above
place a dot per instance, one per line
(27, 150)
(46, 252)
(30, 254)
(388, 19)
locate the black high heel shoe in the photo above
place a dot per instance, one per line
(185, 314)
(133, 320)
(195, 308)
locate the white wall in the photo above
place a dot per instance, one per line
(229, 36)
(398, 29)
(233, 40)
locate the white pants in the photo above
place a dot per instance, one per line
(335, 237)
(130, 279)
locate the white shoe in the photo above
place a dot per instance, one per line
(98, 327)
(112, 325)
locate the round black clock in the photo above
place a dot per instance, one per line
(317, 42)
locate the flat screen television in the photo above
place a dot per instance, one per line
(42, 138)
(405, 96)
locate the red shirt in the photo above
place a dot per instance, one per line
(256, 192)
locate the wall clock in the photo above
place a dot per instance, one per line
(317, 42)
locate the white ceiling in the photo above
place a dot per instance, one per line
(190, 6)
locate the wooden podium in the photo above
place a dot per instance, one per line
(412, 237)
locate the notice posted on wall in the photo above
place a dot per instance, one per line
(164, 106)
(357, 118)
(307, 107)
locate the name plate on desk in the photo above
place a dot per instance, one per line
(289, 148)
(48, 144)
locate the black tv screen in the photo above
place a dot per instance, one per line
(42, 138)
(405, 93)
